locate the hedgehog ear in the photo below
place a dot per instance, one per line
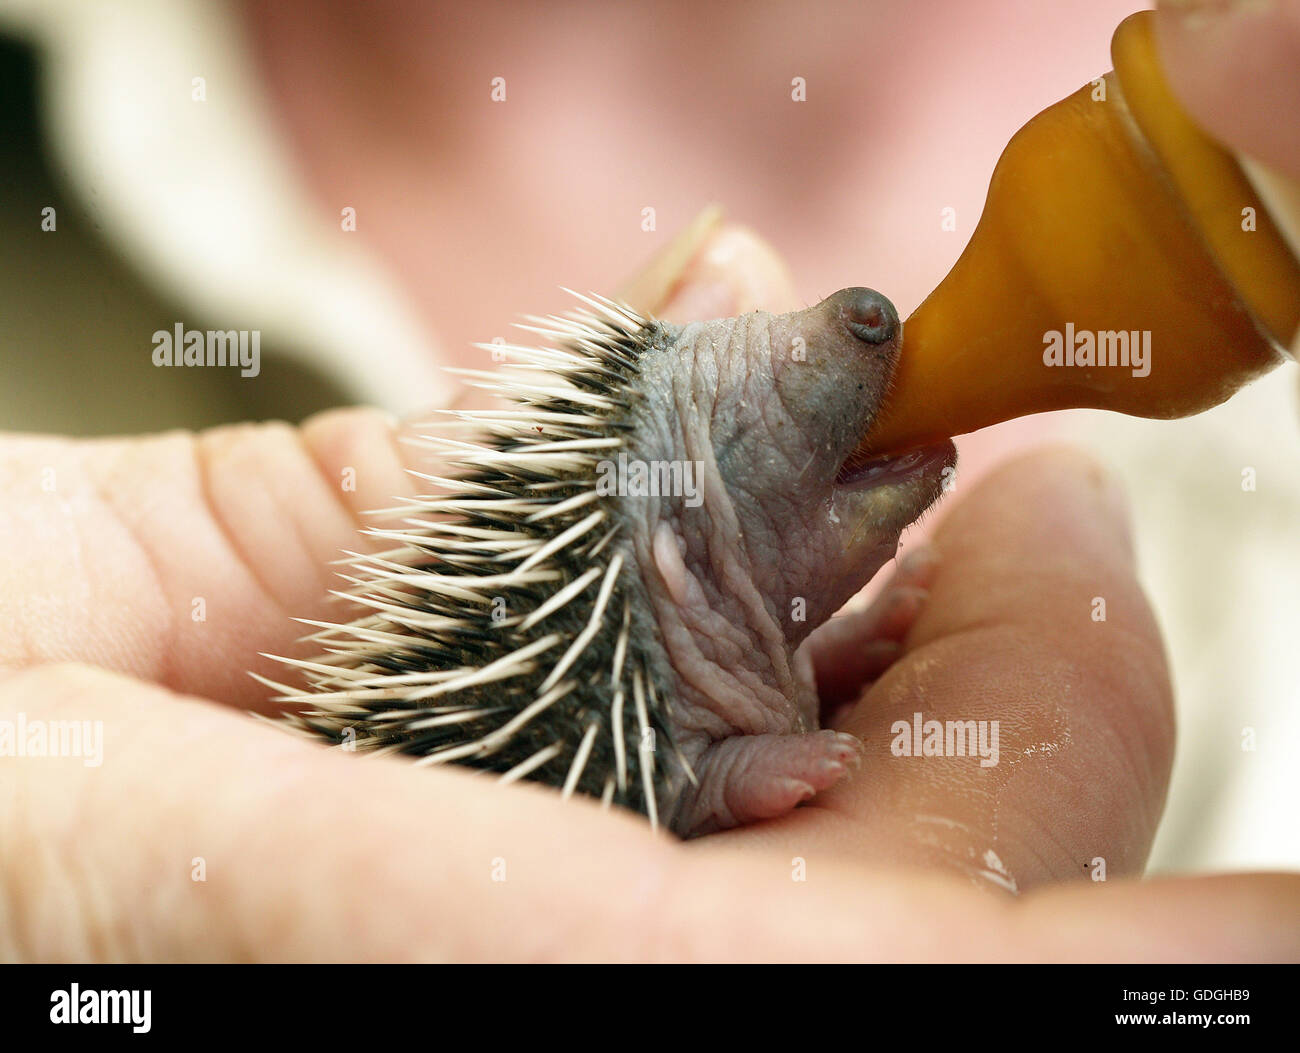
(712, 269)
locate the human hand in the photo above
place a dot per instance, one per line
(308, 854)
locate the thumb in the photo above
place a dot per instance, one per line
(712, 269)
(1235, 64)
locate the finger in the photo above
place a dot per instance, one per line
(203, 835)
(1011, 640)
(735, 272)
(1236, 67)
(177, 557)
(712, 269)
(851, 650)
(296, 853)
(781, 907)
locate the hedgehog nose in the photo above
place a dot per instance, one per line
(871, 317)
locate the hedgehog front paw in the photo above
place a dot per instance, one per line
(751, 777)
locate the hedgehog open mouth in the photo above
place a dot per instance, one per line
(867, 474)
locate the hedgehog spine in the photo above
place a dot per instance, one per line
(488, 636)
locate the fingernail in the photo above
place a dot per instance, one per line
(652, 286)
(918, 561)
(736, 271)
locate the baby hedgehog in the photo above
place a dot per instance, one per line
(610, 593)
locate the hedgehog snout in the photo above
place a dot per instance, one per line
(831, 365)
(869, 316)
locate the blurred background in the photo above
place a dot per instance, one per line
(337, 176)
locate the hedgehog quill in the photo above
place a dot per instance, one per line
(609, 592)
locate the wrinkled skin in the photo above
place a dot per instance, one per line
(770, 407)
